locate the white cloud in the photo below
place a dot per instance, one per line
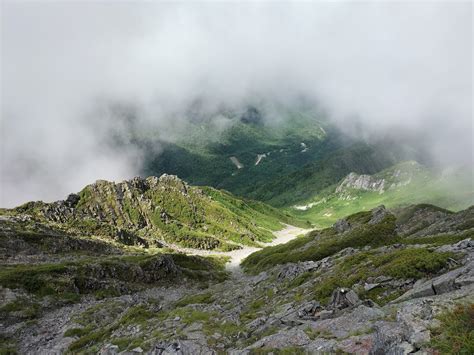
(390, 63)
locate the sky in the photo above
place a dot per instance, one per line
(386, 64)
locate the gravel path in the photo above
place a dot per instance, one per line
(236, 256)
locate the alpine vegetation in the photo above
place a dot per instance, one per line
(236, 178)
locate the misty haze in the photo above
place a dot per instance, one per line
(236, 177)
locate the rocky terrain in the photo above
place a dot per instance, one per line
(361, 182)
(160, 211)
(379, 282)
(395, 177)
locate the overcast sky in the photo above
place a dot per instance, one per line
(386, 63)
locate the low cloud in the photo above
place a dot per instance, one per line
(70, 71)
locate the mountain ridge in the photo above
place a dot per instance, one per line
(149, 211)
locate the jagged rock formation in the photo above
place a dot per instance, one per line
(343, 298)
(395, 177)
(148, 212)
(424, 220)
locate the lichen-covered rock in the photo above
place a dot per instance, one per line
(308, 309)
(444, 283)
(290, 271)
(390, 338)
(282, 339)
(343, 298)
(342, 324)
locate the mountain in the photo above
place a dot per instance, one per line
(152, 265)
(399, 185)
(278, 157)
(378, 281)
(296, 157)
(155, 211)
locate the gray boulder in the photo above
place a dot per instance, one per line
(292, 270)
(342, 226)
(447, 282)
(378, 214)
(283, 339)
(343, 298)
(390, 339)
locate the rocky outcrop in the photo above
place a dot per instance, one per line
(450, 281)
(377, 215)
(153, 211)
(427, 220)
(361, 182)
(23, 240)
(283, 339)
(343, 298)
(291, 271)
(342, 226)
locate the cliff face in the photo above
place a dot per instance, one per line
(395, 177)
(361, 182)
(133, 204)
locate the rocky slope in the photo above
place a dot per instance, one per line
(155, 211)
(378, 282)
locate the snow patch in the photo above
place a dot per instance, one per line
(236, 162)
(309, 205)
(260, 157)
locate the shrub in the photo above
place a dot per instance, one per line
(319, 245)
(455, 335)
(402, 264)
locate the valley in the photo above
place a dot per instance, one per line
(235, 257)
(324, 244)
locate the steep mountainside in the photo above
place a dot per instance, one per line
(402, 184)
(279, 158)
(376, 282)
(150, 212)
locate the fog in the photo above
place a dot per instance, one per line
(64, 65)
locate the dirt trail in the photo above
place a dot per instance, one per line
(236, 256)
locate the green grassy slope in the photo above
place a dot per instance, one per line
(375, 228)
(146, 212)
(406, 183)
